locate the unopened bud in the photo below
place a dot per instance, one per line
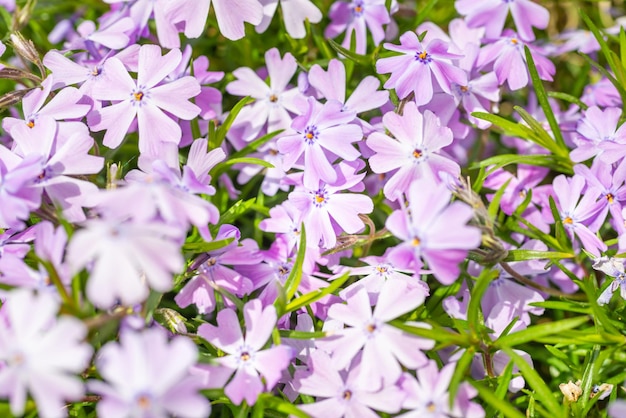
(571, 391)
(26, 49)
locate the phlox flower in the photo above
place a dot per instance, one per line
(147, 376)
(128, 259)
(428, 396)
(491, 14)
(17, 194)
(509, 60)
(346, 394)
(144, 99)
(230, 15)
(575, 211)
(66, 72)
(433, 229)
(355, 17)
(323, 130)
(613, 268)
(415, 152)
(285, 219)
(319, 204)
(384, 347)
(273, 103)
(40, 354)
(295, 12)
(245, 356)
(414, 70)
(599, 135)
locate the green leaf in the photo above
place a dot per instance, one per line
(281, 405)
(542, 137)
(508, 127)
(353, 56)
(462, 365)
(568, 98)
(588, 376)
(206, 247)
(301, 335)
(424, 12)
(438, 334)
(233, 213)
(567, 306)
(480, 287)
(542, 160)
(540, 330)
(295, 275)
(228, 122)
(254, 145)
(542, 98)
(498, 404)
(221, 168)
(316, 295)
(494, 205)
(542, 391)
(522, 255)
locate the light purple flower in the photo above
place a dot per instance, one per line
(144, 99)
(492, 14)
(41, 354)
(129, 259)
(295, 13)
(245, 356)
(322, 131)
(612, 267)
(433, 229)
(347, 394)
(356, 17)
(414, 70)
(147, 376)
(17, 194)
(415, 151)
(600, 135)
(384, 347)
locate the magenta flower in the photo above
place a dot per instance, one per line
(145, 376)
(384, 347)
(346, 394)
(245, 356)
(41, 355)
(355, 17)
(415, 151)
(433, 229)
(322, 131)
(144, 99)
(414, 70)
(129, 259)
(491, 14)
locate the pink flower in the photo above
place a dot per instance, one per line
(245, 355)
(295, 12)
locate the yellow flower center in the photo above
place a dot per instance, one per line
(416, 242)
(568, 221)
(610, 197)
(138, 96)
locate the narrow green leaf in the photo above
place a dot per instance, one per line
(564, 306)
(254, 145)
(206, 247)
(353, 56)
(301, 335)
(542, 391)
(462, 366)
(295, 275)
(233, 213)
(316, 295)
(480, 287)
(507, 159)
(228, 122)
(498, 404)
(222, 167)
(588, 376)
(543, 138)
(522, 255)
(424, 12)
(494, 205)
(622, 46)
(540, 330)
(508, 127)
(568, 98)
(281, 405)
(438, 334)
(542, 98)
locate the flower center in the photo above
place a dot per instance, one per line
(310, 134)
(416, 242)
(320, 198)
(347, 395)
(273, 98)
(245, 356)
(138, 96)
(381, 269)
(568, 221)
(431, 407)
(423, 57)
(417, 153)
(143, 402)
(514, 41)
(610, 197)
(96, 71)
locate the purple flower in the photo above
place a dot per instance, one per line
(347, 394)
(144, 99)
(613, 268)
(428, 395)
(145, 375)
(414, 70)
(492, 14)
(17, 194)
(600, 135)
(128, 260)
(415, 151)
(245, 356)
(355, 17)
(433, 229)
(295, 13)
(322, 131)
(509, 60)
(384, 346)
(575, 213)
(40, 354)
